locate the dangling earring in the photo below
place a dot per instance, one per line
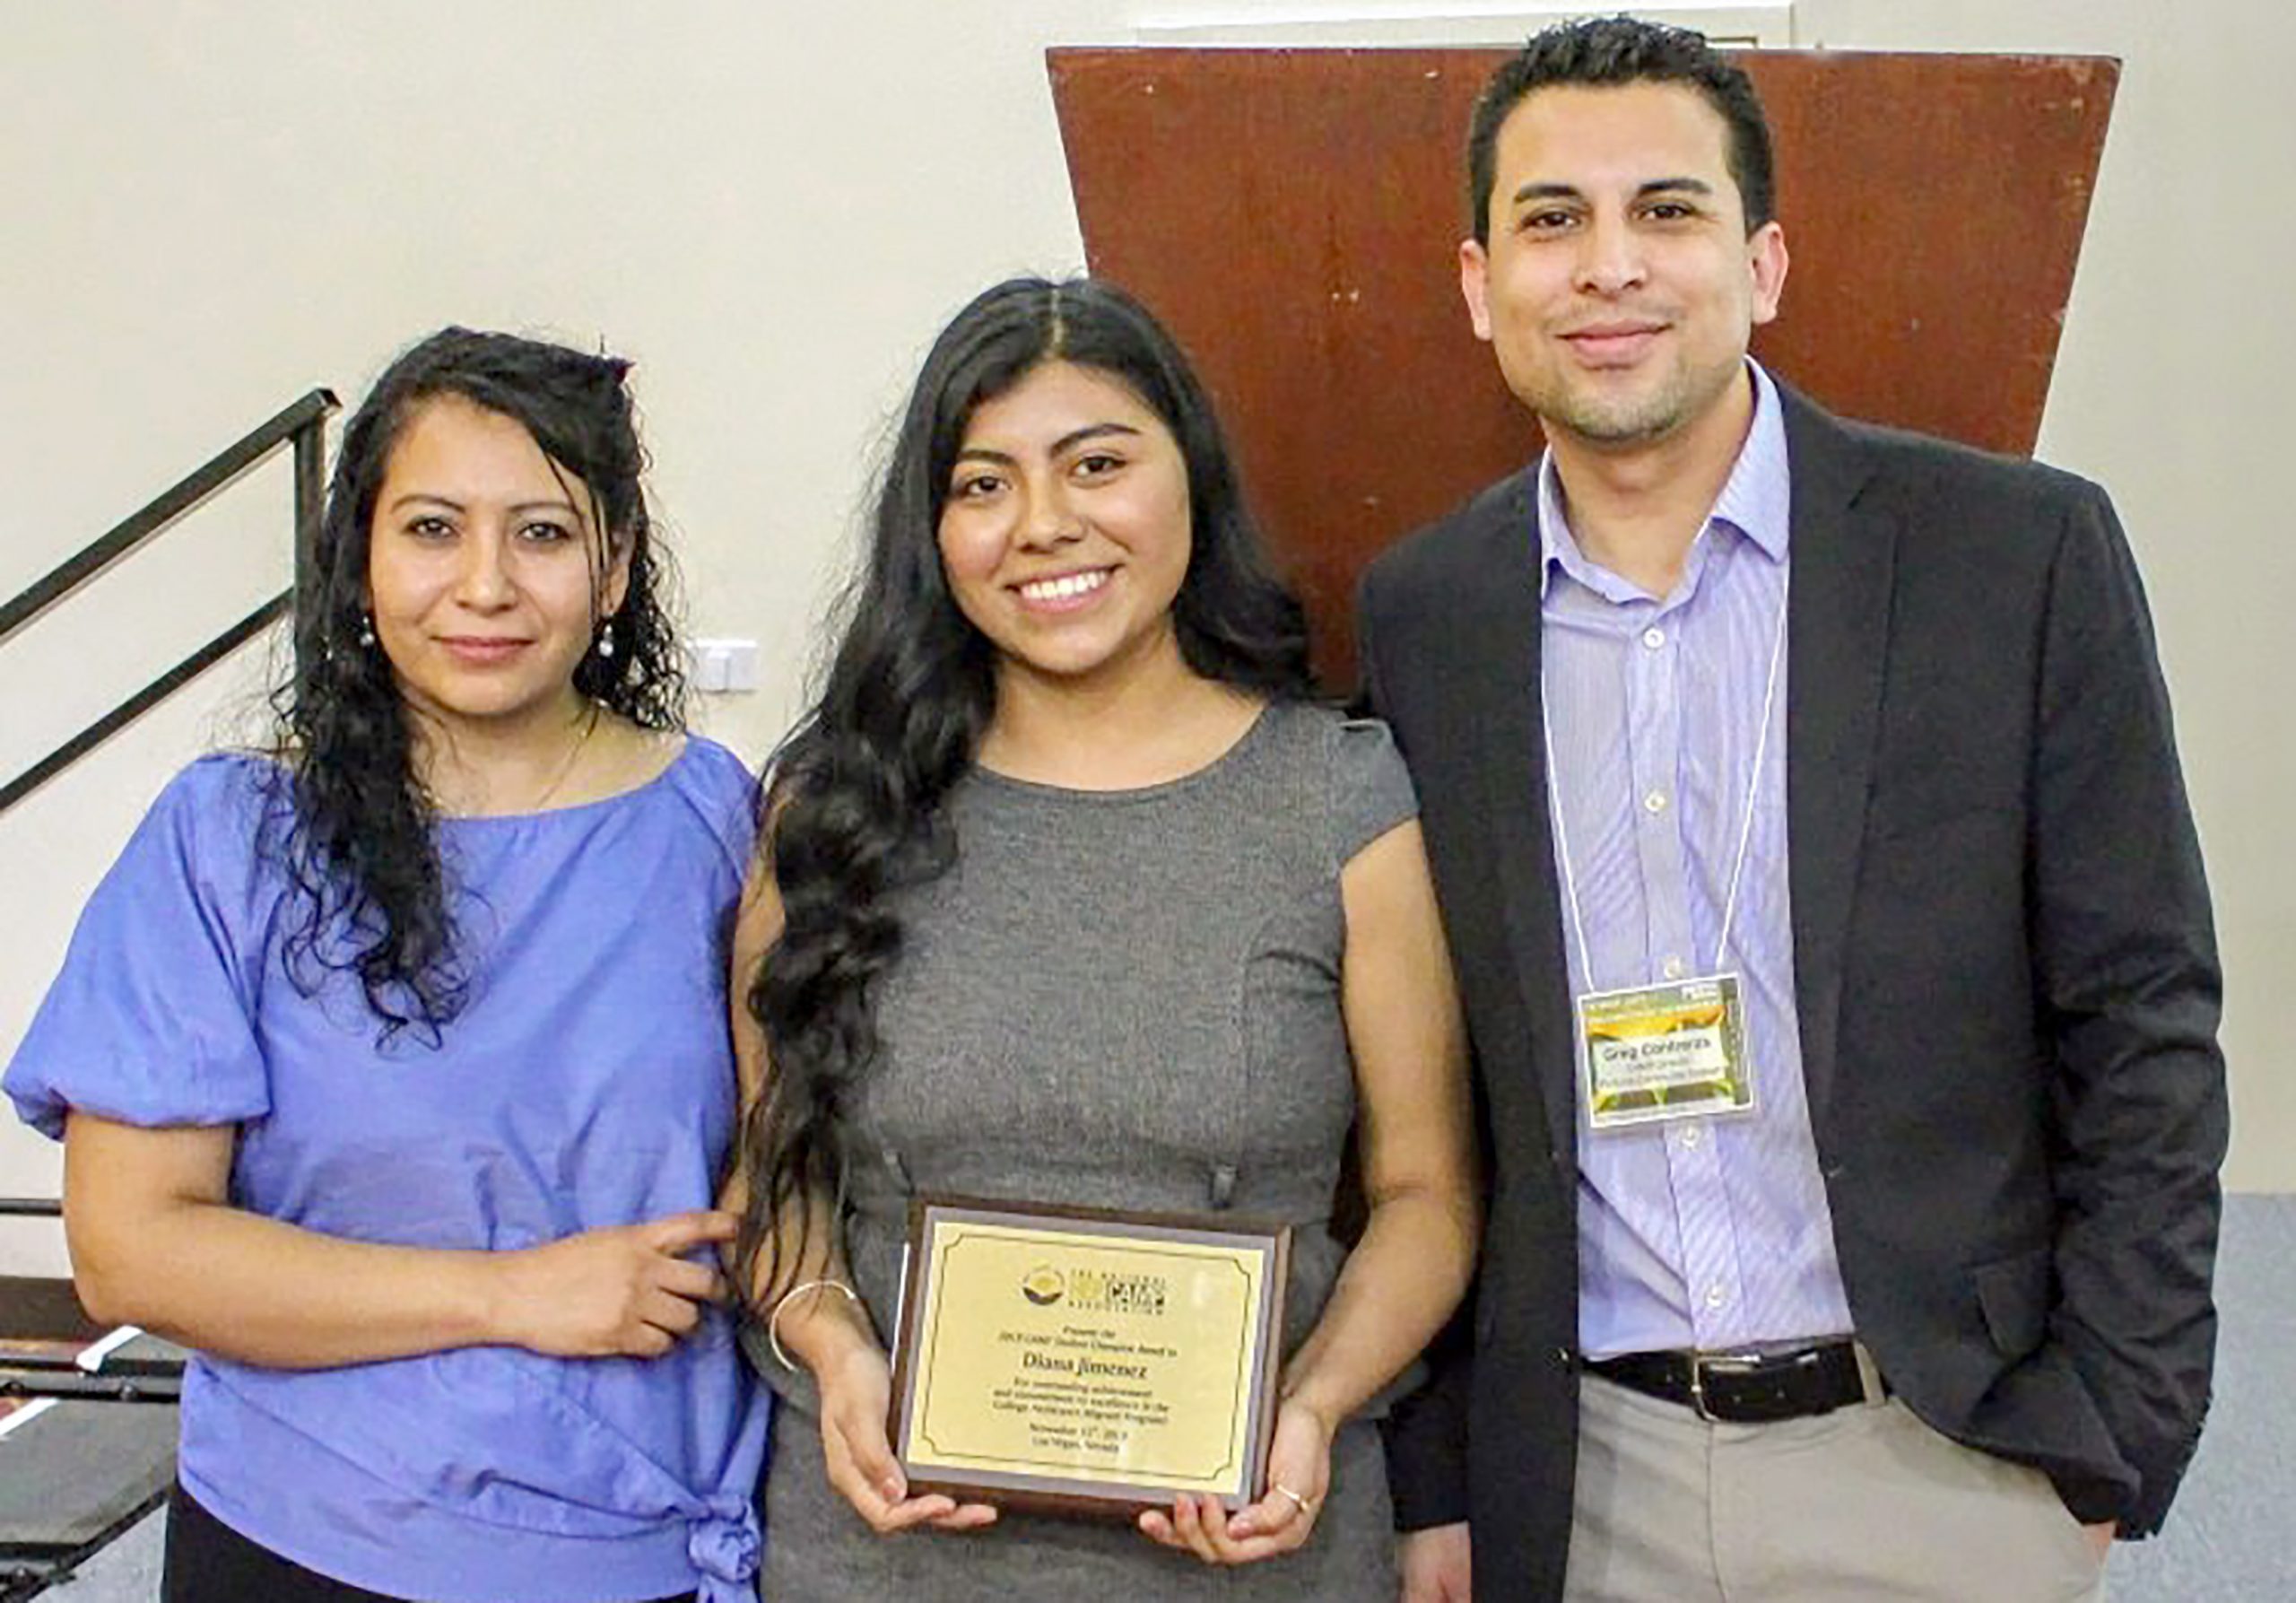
(605, 637)
(366, 631)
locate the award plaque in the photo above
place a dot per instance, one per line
(1083, 1362)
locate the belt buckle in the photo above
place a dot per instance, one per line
(1698, 1363)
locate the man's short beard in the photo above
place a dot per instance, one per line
(1628, 422)
(1686, 392)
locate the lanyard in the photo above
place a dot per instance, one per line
(1746, 827)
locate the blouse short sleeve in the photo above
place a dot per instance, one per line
(152, 1020)
(725, 792)
(1373, 788)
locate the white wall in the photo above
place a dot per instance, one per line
(207, 207)
(2171, 389)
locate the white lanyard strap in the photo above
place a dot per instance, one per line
(1745, 827)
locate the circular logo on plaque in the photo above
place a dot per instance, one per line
(1044, 1286)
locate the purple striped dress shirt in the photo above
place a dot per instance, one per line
(1711, 1234)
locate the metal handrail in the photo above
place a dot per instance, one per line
(301, 423)
(169, 505)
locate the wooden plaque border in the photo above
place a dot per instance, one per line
(1053, 1495)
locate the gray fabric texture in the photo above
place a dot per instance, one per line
(1116, 999)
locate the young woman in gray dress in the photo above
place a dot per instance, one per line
(1071, 895)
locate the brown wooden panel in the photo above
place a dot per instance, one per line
(1294, 216)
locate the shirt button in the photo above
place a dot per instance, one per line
(1655, 802)
(1654, 638)
(1671, 968)
(1689, 1136)
(1715, 1296)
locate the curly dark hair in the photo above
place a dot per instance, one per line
(1608, 51)
(856, 792)
(354, 824)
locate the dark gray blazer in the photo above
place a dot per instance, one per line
(2004, 966)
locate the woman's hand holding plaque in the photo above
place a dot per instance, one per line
(856, 1384)
(1298, 1473)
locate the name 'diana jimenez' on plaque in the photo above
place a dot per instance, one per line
(1085, 1389)
(1085, 1364)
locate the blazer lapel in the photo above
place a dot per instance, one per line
(1501, 638)
(1837, 640)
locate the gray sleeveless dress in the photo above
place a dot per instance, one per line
(1119, 1000)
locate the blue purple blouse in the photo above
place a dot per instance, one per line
(589, 1081)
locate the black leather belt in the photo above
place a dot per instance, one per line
(1747, 1388)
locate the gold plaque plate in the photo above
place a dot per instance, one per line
(1082, 1360)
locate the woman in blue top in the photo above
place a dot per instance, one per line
(392, 1068)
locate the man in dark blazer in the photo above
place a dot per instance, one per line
(1910, 1294)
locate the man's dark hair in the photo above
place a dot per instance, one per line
(1602, 51)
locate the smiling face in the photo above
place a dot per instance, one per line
(1619, 285)
(484, 574)
(1065, 535)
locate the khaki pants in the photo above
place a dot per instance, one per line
(1865, 1502)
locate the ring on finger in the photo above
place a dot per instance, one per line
(1306, 1505)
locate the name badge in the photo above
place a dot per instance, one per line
(1665, 1051)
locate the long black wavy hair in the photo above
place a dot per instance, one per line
(856, 792)
(353, 822)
